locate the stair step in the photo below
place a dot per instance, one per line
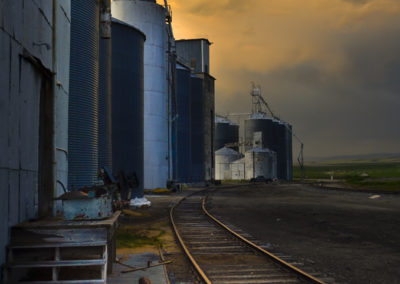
(56, 263)
(66, 281)
(54, 245)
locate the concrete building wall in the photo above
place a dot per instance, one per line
(26, 64)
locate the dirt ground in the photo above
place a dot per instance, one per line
(145, 230)
(352, 236)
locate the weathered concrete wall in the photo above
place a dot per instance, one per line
(26, 62)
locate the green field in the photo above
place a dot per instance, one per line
(377, 174)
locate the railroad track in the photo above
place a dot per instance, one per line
(220, 255)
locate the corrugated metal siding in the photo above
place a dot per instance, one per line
(127, 102)
(105, 130)
(197, 125)
(83, 99)
(183, 124)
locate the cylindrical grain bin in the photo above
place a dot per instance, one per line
(225, 132)
(149, 17)
(83, 95)
(259, 122)
(127, 102)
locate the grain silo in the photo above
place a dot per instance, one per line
(259, 122)
(223, 159)
(260, 162)
(83, 96)
(196, 54)
(127, 102)
(197, 128)
(238, 169)
(105, 129)
(149, 17)
(182, 125)
(226, 132)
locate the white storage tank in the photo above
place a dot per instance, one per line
(238, 169)
(149, 17)
(223, 159)
(260, 162)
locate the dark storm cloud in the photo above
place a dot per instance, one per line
(329, 68)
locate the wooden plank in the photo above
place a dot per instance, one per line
(60, 263)
(58, 245)
(94, 281)
(51, 236)
(63, 224)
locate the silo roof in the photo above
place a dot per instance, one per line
(239, 161)
(259, 150)
(221, 119)
(116, 21)
(260, 115)
(226, 152)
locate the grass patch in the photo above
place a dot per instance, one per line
(389, 185)
(348, 171)
(129, 239)
(383, 176)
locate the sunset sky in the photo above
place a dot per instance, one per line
(329, 67)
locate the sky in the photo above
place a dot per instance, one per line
(331, 68)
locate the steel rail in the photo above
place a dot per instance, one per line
(188, 254)
(260, 249)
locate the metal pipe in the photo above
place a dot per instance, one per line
(53, 132)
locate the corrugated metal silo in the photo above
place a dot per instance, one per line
(225, 132)
(259, 122)
(83, 96)
(223, 159)
(197, 127)
(183, 125)
(127, 101)
(149, 17)
(105, 145)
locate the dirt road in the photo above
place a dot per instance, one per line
(347, 235)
